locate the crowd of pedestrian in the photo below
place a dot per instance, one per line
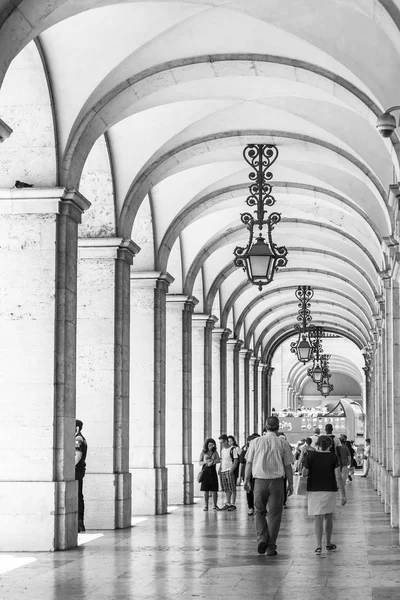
(266, 465)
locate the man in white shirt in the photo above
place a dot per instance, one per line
(229, 462)
(367, 451)
(315, 436)
(269, 460)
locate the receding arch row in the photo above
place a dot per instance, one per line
(292, 306)
(201, 202)
(166, 159)
(98, 113)
(287, 332)
(297, 374)
(235, 234)
(291, 288)
(324, 319)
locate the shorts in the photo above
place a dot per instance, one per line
(228, 481)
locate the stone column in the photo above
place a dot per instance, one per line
(202, 326)
(256, 413)
(216, 384)
(247, 393)
(389, 389)
(238, 391)
(224, 379)
(38, 259)
(179, 398)
(103, 347)
(395, 408)
(230, 386)
(268, 405)
(261, 392)
(147, 382)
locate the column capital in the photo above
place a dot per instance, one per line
(225, 333)
(204, 320)
(5, 131)
(182, 298)
(41, 201)
(107, 248)
(151, 277)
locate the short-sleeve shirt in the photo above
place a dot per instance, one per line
(321, 471)
(268, 454)
(226, 457)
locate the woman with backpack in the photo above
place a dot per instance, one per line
(323, 471)
(234, 452)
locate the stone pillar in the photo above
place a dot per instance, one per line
(395, 408)
(224, 380)
(247, 392)
(389, 389)
(241, 399)
(147, 382)
(268, 405)
(179, 398)
(38, 258)
(103, 347)
(202, 326)
(256, 412)
(261, 392)
(216, 381)
(231, 381)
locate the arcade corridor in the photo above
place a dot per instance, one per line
(189, 554)
(130, 189)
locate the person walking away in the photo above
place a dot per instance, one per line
(324, 479)
(269, 460)
(242, 462)
(335, 440)
(80, 470)
(304, 450)
(227, 469)
(315, 436)
(367, 451)
(344, 457)
(353, 464)
(209, 458)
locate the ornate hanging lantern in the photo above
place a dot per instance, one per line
(315, 372)
(325, 388)
(261, 257)
(303, 346)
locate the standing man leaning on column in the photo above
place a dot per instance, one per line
(269, 460)
(80, 469)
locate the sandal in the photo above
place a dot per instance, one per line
(216, 507)
(331, 547)
(318, 550)
(205, 508)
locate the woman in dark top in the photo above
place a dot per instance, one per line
(323, 471)
(209, 457)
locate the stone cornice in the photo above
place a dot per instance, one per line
(40, 200)
(106, 248)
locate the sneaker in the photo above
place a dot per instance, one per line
(226, 507)
(232, 507)
(350, 478)
(262, 547)
(250, 511)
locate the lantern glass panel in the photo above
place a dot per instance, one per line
(304, 350)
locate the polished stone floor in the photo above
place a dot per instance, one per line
(191, 554)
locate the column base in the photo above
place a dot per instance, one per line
(387, 478)
(394, 501)
(149, 491)
(107, 500)
(188, 486)
(176, 479)
(38, 515)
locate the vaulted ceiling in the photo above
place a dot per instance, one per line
(145, 107)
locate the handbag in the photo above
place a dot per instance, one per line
(201, 474)
(301, 486)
